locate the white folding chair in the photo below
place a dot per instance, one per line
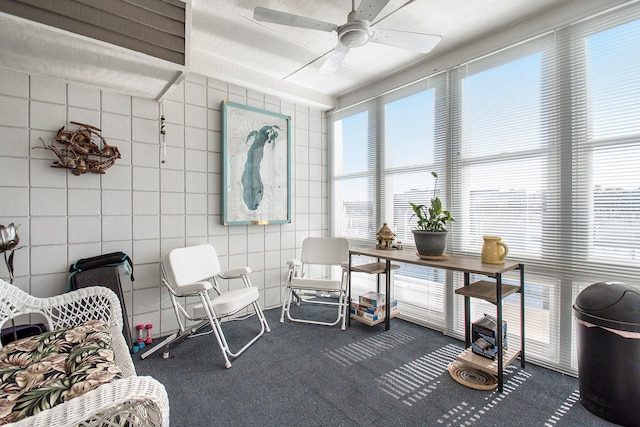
(194, 271)
(319, 254)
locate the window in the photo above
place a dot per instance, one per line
(538, 143)
(610, 144)
(353, 173)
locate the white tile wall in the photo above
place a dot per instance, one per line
(145, 108)
(195, 116)
(116, 103)
(83, 202)
(146, 227)
(12, 145)
(116, 228)
(84, 229)
(146, 179)
(116, 126)
(174, 159)
(48, 230)
(47, 116)
(46, 89)
(172, 204)
(172, 180)
(19, 206)
(118, 177)
(196, 225)
(14, 111)
(47, 259)
(116, 202)
(146, 203)
(141, 206)
(15, 171)
(145, 154)
(196, 182)
(42, 175)
(82, 115)
(14, 84)
(173, 113)
(196, 204)
(95, 182)
(146, 251)
(145, 130)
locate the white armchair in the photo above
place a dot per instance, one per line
(130, 400)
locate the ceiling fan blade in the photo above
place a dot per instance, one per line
(418, 42)
(283, 18)
(334, 60)
(369, 9)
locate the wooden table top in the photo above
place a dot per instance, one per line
(456, 263)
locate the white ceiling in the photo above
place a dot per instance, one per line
(226, 43)
(226, 33)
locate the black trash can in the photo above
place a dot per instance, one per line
(608, 326)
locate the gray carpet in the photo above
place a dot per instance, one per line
(307, 375)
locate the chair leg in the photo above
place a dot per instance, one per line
(286, 303)
(341, 305)
(222, 342)
(262, 317)
(215, 326)
(259, 313)
(219, 333)
(345, 313)
(174, 339)
(345, 301)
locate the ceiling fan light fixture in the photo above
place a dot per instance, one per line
(354, 34)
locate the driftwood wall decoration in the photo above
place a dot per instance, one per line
(82, 150)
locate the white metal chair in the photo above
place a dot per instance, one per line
(194, 271)
(319, 254)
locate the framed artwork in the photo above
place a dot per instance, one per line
(256, 166)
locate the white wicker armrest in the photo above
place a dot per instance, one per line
(62, 311)
(142, 401)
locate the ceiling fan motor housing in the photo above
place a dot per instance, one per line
(354, 33)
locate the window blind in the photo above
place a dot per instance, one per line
(353, 172)
(504, 174)
(538, 143)
(412, 142)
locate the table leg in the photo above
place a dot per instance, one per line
(387, 307)
(349, 293)
(499, 332)
(522, 316)
(467, 314)
(378, 279)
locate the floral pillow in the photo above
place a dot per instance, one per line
(37, 373)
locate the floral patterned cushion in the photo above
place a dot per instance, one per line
(37, 373)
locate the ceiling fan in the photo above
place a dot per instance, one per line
(355, 33)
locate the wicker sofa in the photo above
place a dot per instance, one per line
(122, 398)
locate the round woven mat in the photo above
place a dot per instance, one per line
(471, 377)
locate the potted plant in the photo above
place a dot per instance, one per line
(430, 233)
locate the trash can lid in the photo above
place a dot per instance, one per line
(611, 305)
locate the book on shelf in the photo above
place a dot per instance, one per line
(371, 313)
(372, 299)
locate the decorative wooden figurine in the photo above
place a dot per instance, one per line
(385, 238)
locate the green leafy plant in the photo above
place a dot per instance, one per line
(432, 217)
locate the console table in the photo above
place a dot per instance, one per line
(492, 291)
